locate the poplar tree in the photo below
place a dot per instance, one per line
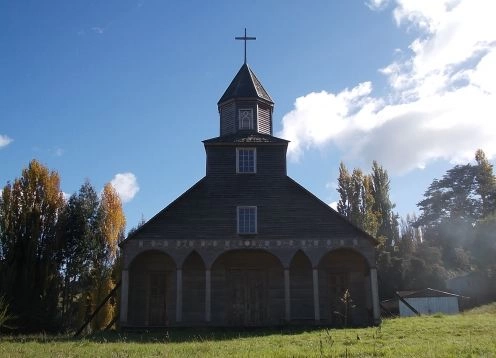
(383, 207)
(370, 218)
(30, 259)
(344, 190)
(356, 199)
(111, 225)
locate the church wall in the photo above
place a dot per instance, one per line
(241, 275)
(140, 295)
(194, 289)
(219, 297)
(221, 161)
(340, 270)
(336, 261)
(301, 292)
(208, 212)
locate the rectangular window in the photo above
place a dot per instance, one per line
(246, 160)
(247, 219)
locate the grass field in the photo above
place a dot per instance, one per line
(471, 334)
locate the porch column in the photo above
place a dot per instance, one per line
(179, 295)
(124, 295)
(208, 295)
(375, 295)
(287, 298)
(316, 302)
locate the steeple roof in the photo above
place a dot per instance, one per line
(246, 85)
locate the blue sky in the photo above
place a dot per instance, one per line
(125, 91)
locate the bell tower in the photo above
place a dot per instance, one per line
(245, 105)
(245, 150)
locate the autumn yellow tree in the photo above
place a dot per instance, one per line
(111, 225)
(29, 250)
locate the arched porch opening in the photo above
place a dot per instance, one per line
(301, 288)
(152, 293)
(194, 285)
(341, 270)
(247, 288)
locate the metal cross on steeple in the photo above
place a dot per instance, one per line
(245, 38)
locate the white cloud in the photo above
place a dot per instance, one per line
(334, 205)
(66, 195)
(376, 4)
(5, 140)
(440, 103)
(126, 186)
(98, 30)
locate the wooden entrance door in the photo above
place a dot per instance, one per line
(248, 297)
(157, 314)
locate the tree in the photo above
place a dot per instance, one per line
(410, 236)
(383, 207)
(77, 229)
(452, 197)
(111, 225)
(345, 191)
(369, 217)
(485, 184)
(30, 263)
(364, 200)
(356, 197)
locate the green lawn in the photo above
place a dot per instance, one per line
(472, 334)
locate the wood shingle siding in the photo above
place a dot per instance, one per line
(228, 122)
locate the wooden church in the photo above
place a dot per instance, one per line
(247, 245)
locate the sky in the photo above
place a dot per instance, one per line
(124, 91)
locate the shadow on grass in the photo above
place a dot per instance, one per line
(178, 335)
(164, 335)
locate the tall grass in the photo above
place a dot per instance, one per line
(472, 334)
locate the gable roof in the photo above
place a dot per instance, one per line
(198, 186)
(427, 292)
(195, 214)
(333, 212)
(245, 85)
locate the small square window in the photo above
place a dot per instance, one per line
(246, 160)
(247, 219)
(246, 118)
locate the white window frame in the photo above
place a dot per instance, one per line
(250, 210)
(240, 122)
(239, 162)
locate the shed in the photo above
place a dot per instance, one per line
(428, 301)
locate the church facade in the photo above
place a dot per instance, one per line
(247, 245)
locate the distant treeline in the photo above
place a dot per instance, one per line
(455, 234)
(58, 258)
